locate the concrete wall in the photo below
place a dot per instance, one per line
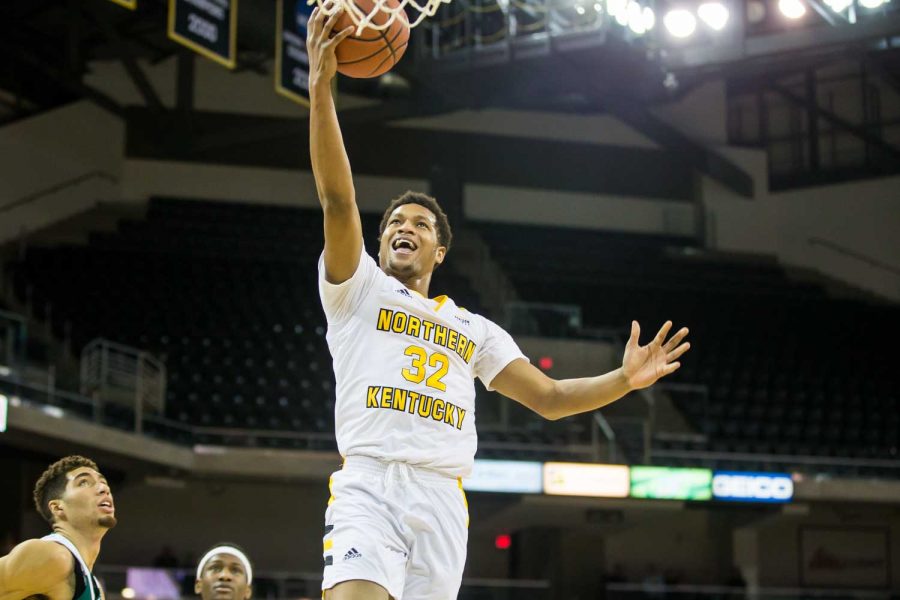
(780, 545)
(680, 542)
(50, 150)
(861, 217)
(280, 524)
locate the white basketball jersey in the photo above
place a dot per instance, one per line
(405, 367)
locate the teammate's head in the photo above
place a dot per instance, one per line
(224, 573)
(72, 490)
(419, 220)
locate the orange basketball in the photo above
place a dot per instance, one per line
(374, 51)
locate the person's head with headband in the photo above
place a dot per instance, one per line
(224, 573)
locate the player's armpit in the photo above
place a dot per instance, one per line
(343, 241)
(34, 567)
(529, 386)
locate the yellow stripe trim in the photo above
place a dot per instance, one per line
(440, 302)
(465, 499)
(330, 491)
(129, 4)
(327, 545)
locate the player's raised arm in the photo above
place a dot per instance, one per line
(33, 568)
(331, 167)
(642, 366)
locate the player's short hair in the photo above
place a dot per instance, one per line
(52, 482)
(444, 234)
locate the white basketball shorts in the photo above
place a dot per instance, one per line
(402, 527)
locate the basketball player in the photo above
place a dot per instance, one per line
(74, 497)
(396, 525)
(224, 573)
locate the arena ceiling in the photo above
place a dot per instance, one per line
(49, 46)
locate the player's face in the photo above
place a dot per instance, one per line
(223, 578)
(409, 244)
(87, 500)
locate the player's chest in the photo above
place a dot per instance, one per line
(392, 319)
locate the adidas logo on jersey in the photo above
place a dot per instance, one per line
(352, 553)
(404, 291)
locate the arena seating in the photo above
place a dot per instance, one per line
(224, 293)
(790, 370)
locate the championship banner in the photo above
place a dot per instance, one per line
(129, 4)
(208, 27)
(291, 61)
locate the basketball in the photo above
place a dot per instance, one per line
(374, 51)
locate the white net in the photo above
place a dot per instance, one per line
(393, 9)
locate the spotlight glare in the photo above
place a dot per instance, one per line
(680, 23)
(614, 7)
(792, 9)
(871, 3)
(838, 5)
(649, 18)
(598, 7)
(636, 18)
(714, 14)
(579, 9)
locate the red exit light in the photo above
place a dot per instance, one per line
(503, 541)
(545, 363)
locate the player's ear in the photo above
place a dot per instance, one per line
(248, 592)
(439, 254)
(56, 509)
(197, 587)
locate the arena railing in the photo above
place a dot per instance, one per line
(787, 461)
(63, 404)
(124, 375)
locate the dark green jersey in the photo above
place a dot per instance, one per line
(86, 585)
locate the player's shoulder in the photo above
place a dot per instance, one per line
(473, 319)
(50, 560)
(48, 552)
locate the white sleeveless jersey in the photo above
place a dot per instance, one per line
(405, 368)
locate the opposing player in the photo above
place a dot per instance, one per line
(396, 525)
(224, 573)
(74, 498)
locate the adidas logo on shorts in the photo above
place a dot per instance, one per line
(352, 553)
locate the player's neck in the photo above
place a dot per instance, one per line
(87, 542)
(418, 286)
(417, 283)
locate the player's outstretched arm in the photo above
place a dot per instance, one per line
(330, 165)
(642, 366)
(32, 568)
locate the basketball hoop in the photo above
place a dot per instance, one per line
(364, 20)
